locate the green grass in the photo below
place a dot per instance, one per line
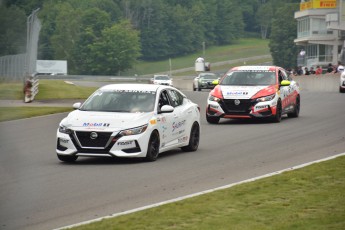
(14, 113)
(48, 90)
(309, 198)
(241, 49)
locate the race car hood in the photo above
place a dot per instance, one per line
(246, 92)
(82, 120)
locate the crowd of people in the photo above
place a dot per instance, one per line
(339, 68)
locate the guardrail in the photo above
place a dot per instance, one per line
(30, 90)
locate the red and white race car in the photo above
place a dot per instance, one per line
(254, 92)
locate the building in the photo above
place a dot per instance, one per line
(320, 32)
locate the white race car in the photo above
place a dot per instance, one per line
(342, 83)
(129, 120)
(162, 80)
(254, 92)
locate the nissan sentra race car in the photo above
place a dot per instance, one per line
(129, 120)
(254, 92)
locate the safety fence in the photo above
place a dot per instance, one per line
(22, 67)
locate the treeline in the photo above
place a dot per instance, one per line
(107, 36)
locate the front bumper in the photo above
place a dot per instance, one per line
(108, 144)
(247, 108)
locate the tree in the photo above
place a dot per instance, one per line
(282, 46)
(229, 24)
(92, 23)
(116, 50)
(264, 17)
(12, 30)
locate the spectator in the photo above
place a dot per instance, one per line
(318, 70)
(312, 71)
(340, 68)
(306, 71)
(299, 70)
(330, 68)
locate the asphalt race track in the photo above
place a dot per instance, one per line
(37, 191)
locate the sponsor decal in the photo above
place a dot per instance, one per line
(214, 106)
(134, 91)
(183, 139)
(177, 125)
(236, 93)
(260, 107)
(153, 121)
(125, 142)
(64, 141)
(96, 124)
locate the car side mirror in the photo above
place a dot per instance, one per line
(167, 109)
(76, 105)
(285, 83)
(215, 82)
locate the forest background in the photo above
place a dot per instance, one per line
(104, 37)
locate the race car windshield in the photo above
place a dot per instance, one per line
(162, 78)
(209, 76)
(249, 78)
(120, 101)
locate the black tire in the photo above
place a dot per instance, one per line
(194, 139)
(69, 159)
(341, 90)
(212, 120)
(295, 113)
(194, 89)
(153, 147)
(278, 117)
(199, 89)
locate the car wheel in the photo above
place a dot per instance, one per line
(70, 159)
(295, 113)
(199, 89)
(277, 118)
(194, 89)
(194, 139)
(341, 90)
(153, 147)
(212, 120)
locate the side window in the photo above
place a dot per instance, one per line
(176, 98)
(282, 75)
(163, 99)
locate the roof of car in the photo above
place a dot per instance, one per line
(147, 87)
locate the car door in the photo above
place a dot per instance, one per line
(165, 120)
(285, 91)
(182, 116)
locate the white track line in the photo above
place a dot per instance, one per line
(200, 193)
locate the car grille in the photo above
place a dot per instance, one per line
(86, 141)
(243, 108)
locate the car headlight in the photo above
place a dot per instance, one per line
(213, 98)
(133, 131)
(266, 98)
(64, 129)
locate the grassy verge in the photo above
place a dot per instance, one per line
(308, 198)
(241, 49)
(48, 90)
(14, 113)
